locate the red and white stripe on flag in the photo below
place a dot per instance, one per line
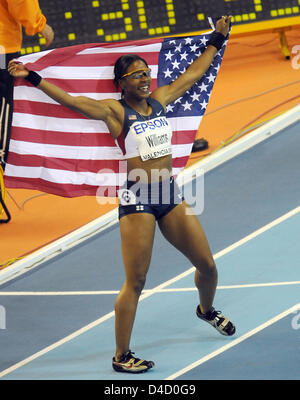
(56, 150)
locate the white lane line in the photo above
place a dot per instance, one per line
(170, 290)
(258, 232)
(234, 342)
(66, 293)
(56, 344)
(148, 294)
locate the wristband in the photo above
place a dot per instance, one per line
(33, 78)
(217, 39)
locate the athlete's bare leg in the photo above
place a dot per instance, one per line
(186, 234)
(137, 235)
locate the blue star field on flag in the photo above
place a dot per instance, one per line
(175, 57)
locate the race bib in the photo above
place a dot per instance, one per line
(153, 137)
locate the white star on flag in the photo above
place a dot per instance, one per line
(204, 40)
(195, 96)
(183, 56)
(168, 73)
(169, 56)
(187, 106)
(175, 64)
(194, 47)
(178, 48)
(169, 108)
(203, 87)
(203, 104)
(211, 77)
(188, 40)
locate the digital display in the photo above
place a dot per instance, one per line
(90, 21)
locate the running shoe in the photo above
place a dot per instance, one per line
(129, 363)
(217, 320)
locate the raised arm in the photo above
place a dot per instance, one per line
(94, 109)
(169, 93)
(109, 110)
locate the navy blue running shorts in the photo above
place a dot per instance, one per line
(157, 198)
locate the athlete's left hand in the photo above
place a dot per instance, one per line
(222, 24)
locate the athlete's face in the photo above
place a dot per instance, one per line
(137, 80)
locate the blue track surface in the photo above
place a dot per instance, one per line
(241, 196)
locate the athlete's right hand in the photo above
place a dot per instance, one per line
(17, 69)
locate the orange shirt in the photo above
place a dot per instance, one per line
(13, 15)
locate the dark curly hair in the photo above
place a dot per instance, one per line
(122, 64)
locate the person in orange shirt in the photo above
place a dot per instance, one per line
(15, 14)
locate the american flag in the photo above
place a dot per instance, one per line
(56, 150)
